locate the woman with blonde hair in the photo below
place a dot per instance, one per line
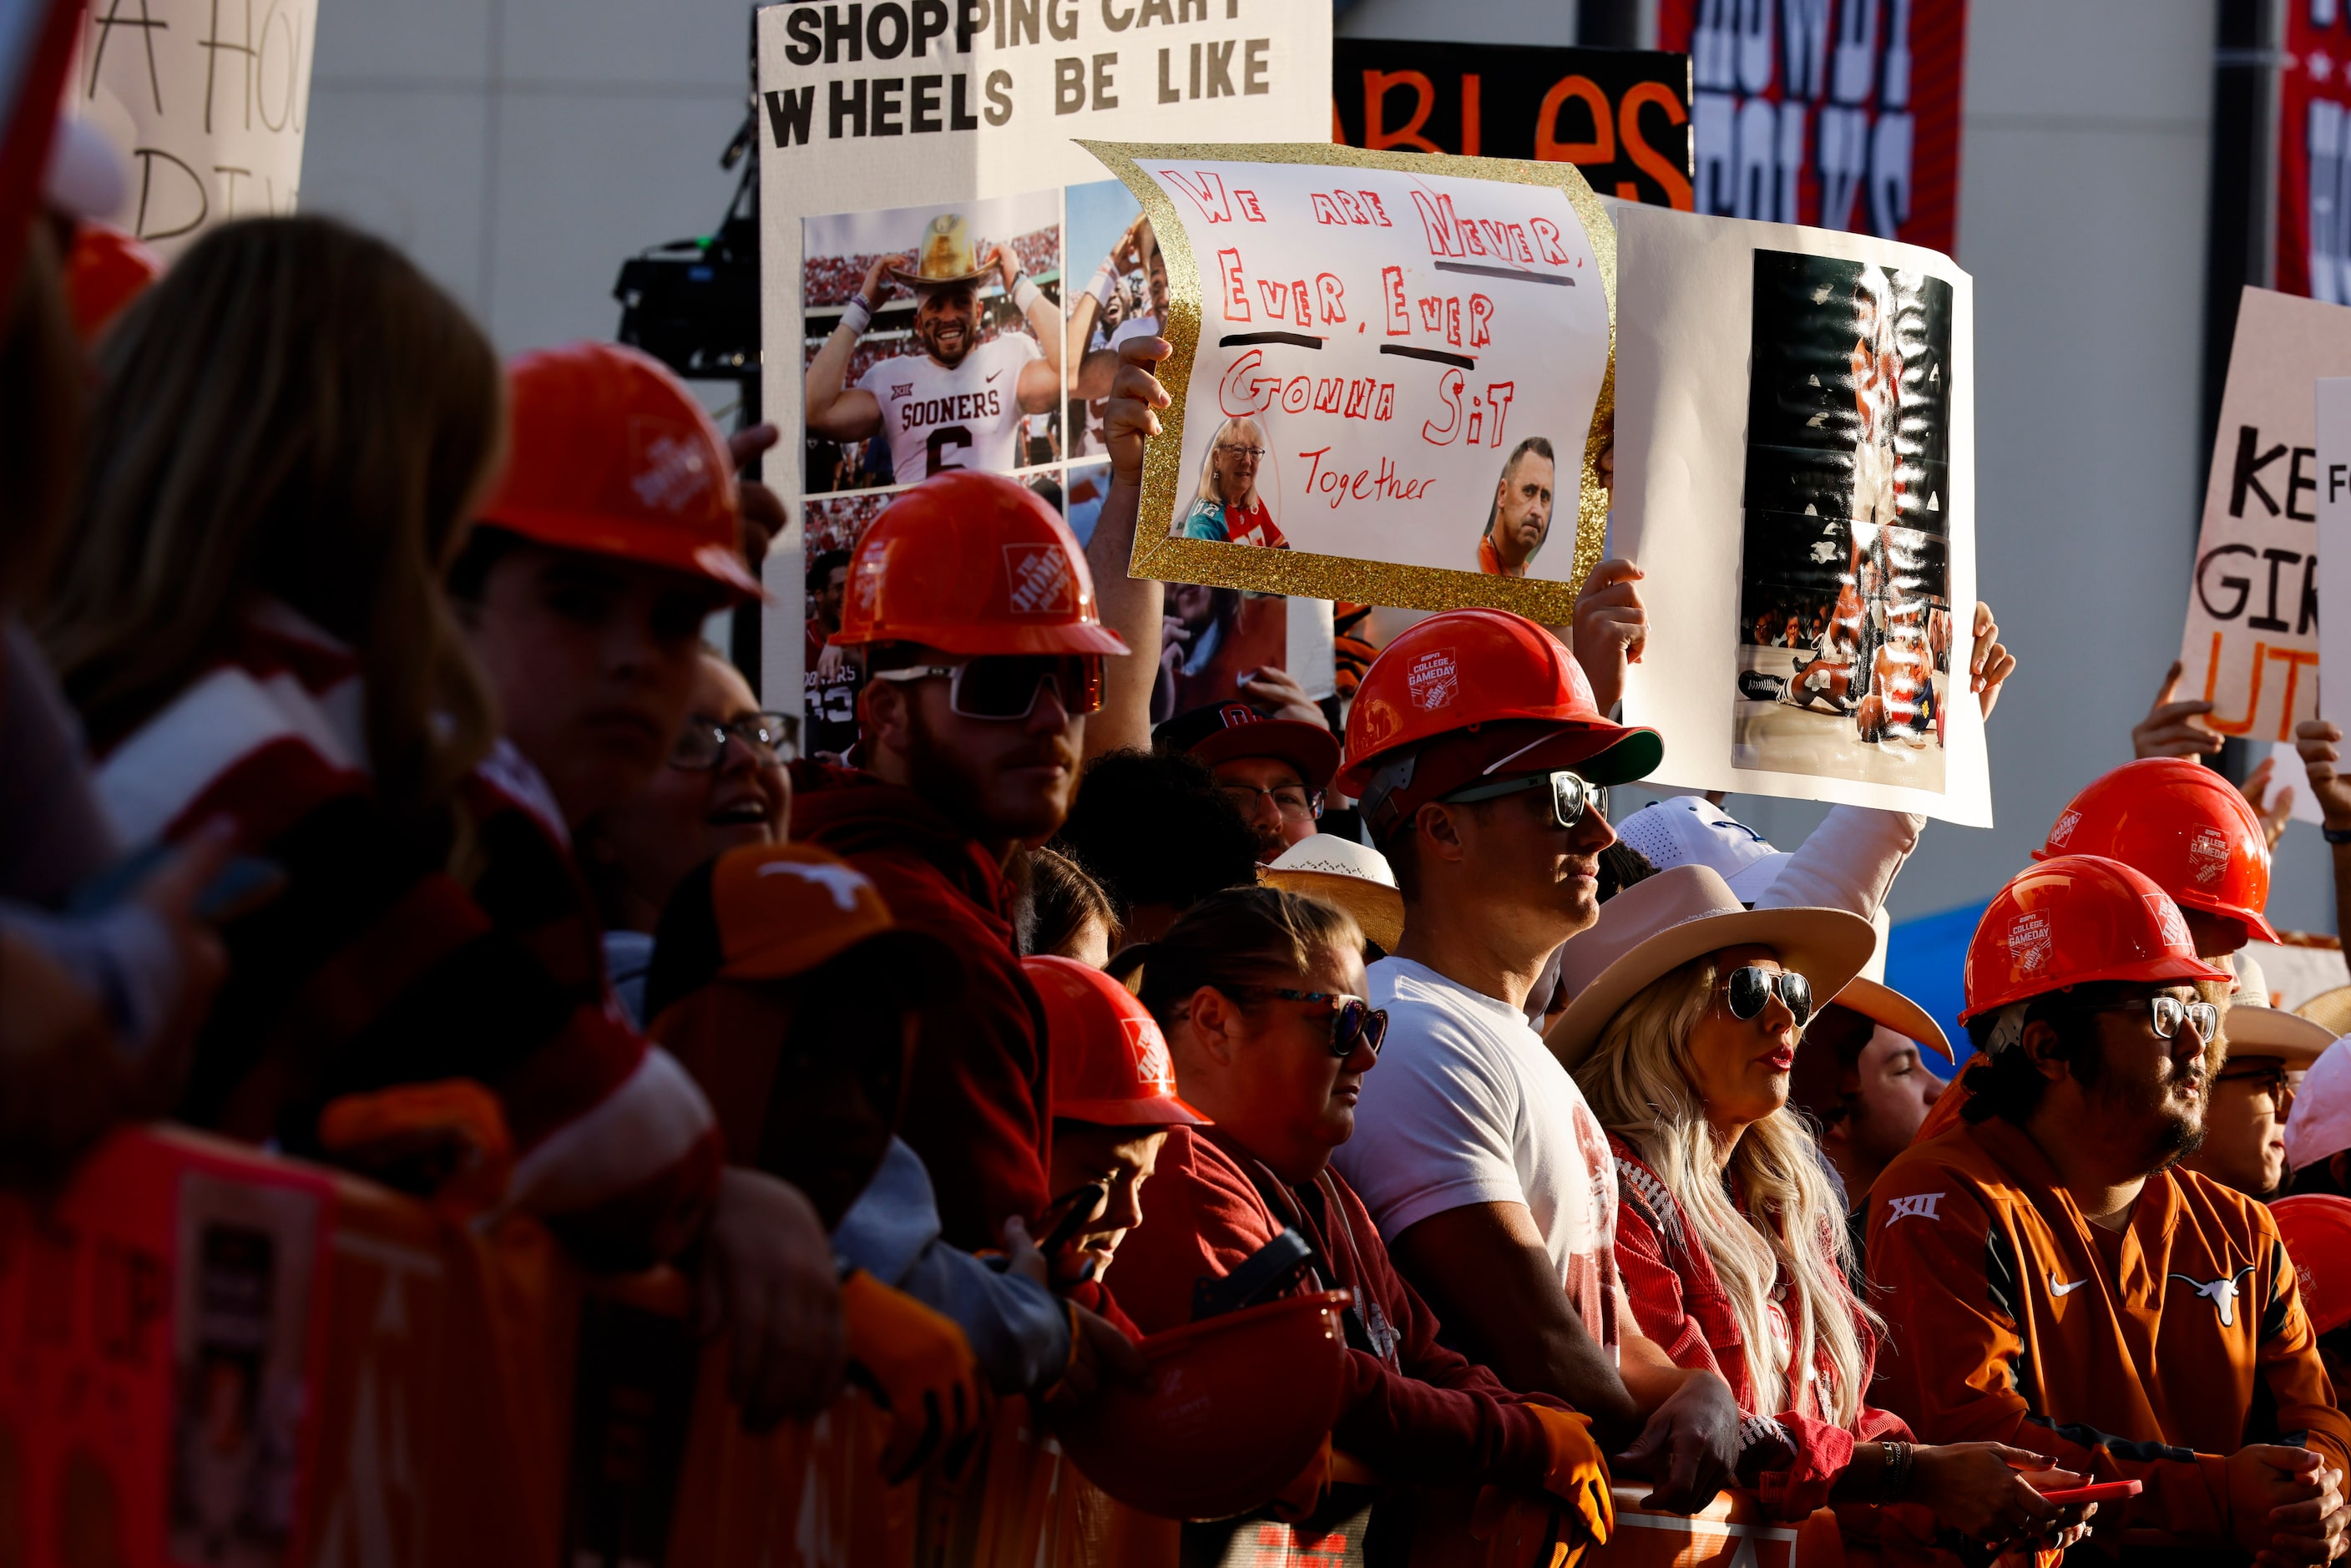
(1687, 1010)
(1228, 508)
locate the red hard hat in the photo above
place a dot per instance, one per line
(613, 456)
(106, 270)
(1231, 1409)
(1111, 1064)
(2182, 824)
(2316, 1230)
(973, 563)
(2074, 920)
(1477, 669)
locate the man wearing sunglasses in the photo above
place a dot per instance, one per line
(1480, 757)
(2061, 1283)
(973, 615)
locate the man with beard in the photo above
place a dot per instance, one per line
(2031, 1256)
(956, 403)
(1520, 519)
(974, 613)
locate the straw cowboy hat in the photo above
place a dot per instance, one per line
(1341, 871)
(1663, 922)
(2254, 1029)
(1872, 999)
(2329, 1009)
(943, 256)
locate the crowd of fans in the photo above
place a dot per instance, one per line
(370, 794)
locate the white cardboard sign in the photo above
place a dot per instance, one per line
(206, 101)
(2331, 407)
(1795, 467)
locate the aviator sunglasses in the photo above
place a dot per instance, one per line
(1750, 985)
(1004, 685)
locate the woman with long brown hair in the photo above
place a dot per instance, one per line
(294, 430)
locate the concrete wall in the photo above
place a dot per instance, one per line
(521, 148)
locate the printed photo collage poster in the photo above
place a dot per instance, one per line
(1390, 376)
(2250, 645)
(947, 272)
(1796, 431)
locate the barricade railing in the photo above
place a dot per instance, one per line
(212, 1357)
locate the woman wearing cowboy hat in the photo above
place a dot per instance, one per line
(1687, 1011)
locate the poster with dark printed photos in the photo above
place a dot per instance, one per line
(1845, 602)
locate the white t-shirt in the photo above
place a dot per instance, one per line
(1468, 1106)
(938, 419)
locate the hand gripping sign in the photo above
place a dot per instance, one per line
(1392, 377)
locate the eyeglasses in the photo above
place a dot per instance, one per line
(1004, 685)
(771, 739)
(1750, 985)
(1571, 794)
(2271, 1080)
(1289, 799)
(1353, 1021)
(2166, 1012)
(1250, 452)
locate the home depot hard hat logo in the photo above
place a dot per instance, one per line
(2028, 941)
(1153, 1066)
(2063, 833)
(2168, 922)
(1038, 581)
(1435, 679)
(670, 471)
(2208, 855)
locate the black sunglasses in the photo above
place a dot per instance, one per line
(1571, 794)
(1006, 685)
(1354, 1021)
(1750, 985)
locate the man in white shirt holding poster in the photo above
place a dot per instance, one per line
(957, 403)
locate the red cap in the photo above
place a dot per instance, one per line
(1230, 1411)
(2316, 1230)
(613, 456)
(106, 270)
(1111, 1064)
(2072, 921)
(1222, 731)
(2182, 824)
(1508, 695)
(973, 563)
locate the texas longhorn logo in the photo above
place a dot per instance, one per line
(2222, 1292)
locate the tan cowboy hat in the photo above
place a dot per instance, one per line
(1663, 922)
(1336, 870)
(943, 256)
(1872, 999)
(2329, 1009)
(2252, 1029)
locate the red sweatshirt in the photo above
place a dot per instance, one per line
(979, 1104)
(1413, 1410)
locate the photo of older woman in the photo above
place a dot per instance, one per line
(1229, 508)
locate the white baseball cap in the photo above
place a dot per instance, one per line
(1690, 829)
(2320, 1122)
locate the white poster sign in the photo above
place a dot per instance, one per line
(1795, 466)
(206, 101)
(1393, 370)
(2331, 408)
(2252, 637)
(944, 273)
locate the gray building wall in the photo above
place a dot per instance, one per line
(521, 148)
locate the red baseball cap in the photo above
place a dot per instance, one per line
(1222, 731)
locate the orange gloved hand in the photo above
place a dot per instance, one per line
(1527, 1531)
(446, 1141)
(920, 1368)
(1578, 1474)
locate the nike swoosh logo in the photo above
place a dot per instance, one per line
(2063, 1287)
(992, 375)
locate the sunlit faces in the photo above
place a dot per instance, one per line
(592, 660)
(1739, 1067)
(2245, 1127)
(1097, 1175)
(1278, 805)
(1260, 1064)
(1003, 780)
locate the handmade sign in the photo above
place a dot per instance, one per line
(946, 276)
(1389, 377)
(2332, 438)
(1795, 429)
(1620, 116)
(206, 103)
(2251, 638)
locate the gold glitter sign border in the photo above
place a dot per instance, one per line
(1298, 573)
